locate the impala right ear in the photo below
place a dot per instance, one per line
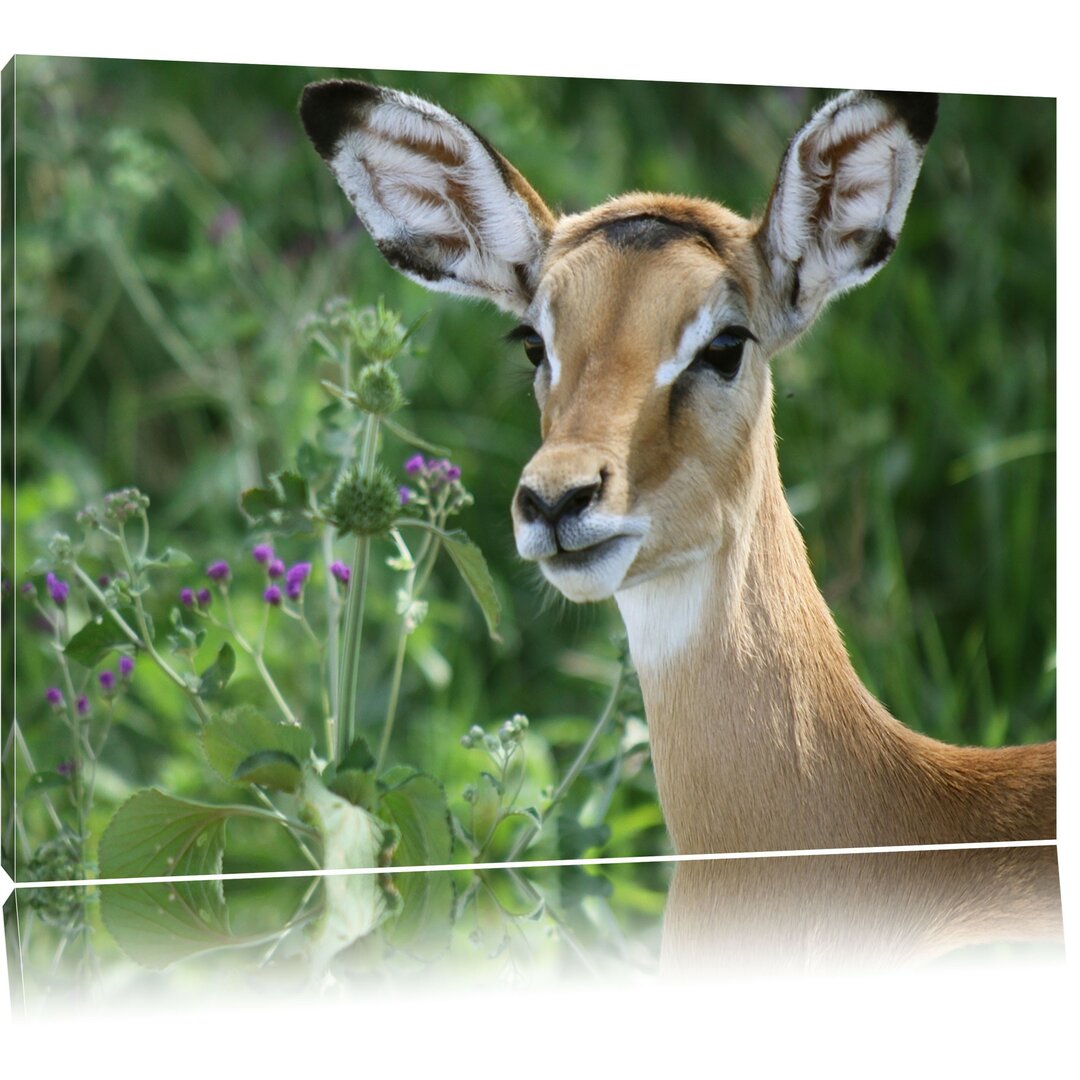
(443, 206)
(841, 196)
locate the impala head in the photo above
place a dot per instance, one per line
(651, 319)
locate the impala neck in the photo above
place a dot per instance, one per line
(757, 720)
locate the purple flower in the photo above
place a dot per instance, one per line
(187, 597)
(204, 596)
(27, 589)
(295, 578)
(127, 666)
(66, 768)
(272, 595)
(453, 472)
(58, 589)
(54, 697)
(103, 580)
(404, 494)
(82, 706)
(218, 571)
(276, 568)
(340, 571)
(415, 464)
(108, 681)
(263, 553)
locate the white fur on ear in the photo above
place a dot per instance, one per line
(443, 207)
(841, 196)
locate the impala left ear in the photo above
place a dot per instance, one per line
(839, 201)
(443, 206)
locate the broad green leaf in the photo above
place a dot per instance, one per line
(358, 756)
(281, 505)
(417, 806)
(472, 566)
(217, 675)
(353, 904)
(94, 640)
(270, 768)
(233, 736)
(155, 835)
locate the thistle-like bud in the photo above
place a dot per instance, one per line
(378, 389)
(365, 506)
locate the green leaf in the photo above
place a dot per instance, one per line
(172, 558)
(410, 437)
(282, 505)
(353, 904)
(94, 640)
(472, 566)
(270, 768)
(233, 736)
(357, 786)
(416, 804)
(217, 675)
(155, 835)
(358, 756)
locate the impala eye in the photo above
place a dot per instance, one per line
(532, 342)
(724, 353)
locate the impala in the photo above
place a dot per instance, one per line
(651, 321)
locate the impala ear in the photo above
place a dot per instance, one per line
(840, 198)
(442, 205)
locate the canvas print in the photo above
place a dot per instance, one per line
(432, 469)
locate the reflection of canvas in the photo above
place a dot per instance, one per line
(997, 910)
(270, 613)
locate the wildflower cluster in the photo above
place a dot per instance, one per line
(510, 733)
(295, 576)
(438, 486)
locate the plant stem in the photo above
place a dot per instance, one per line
(146, 641)
(287, 822)
(354, 612)
(530, 832)
(350, 651)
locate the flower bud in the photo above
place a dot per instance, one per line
(378, 389)
(364, 506)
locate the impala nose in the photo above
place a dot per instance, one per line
(534, 507)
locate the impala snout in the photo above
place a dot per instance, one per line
(568, 519)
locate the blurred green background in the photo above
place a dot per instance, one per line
(174, 227)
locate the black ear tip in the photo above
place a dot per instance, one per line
(919, 111)
(328, 109)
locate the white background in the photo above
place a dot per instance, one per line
(945, 1024)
